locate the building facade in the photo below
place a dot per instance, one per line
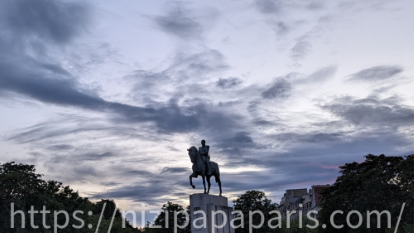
(301, 201)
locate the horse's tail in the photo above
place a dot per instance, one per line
(217, 171)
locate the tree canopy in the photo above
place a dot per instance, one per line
(167, 214)
(381, 183)
(22, 187)
(250, 201)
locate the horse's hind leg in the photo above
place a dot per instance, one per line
(191, 180)
(204, 183)
(219, 183)
(209, 184)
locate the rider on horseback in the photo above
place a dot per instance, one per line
(205, 155)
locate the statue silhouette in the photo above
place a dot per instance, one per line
(200, 167)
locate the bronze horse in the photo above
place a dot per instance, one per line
(199, 168)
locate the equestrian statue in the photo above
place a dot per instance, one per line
(202, 166)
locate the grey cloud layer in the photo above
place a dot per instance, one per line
(50, 83)
(322, 74)
(179, 24)
(190, 98)
(279, 90)
(268, 6)
(372, 111)
(377, 73)
(228, 82)
(43, 20)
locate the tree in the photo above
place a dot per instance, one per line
(169, 210)
(379, 183)
(250, 201)
(20, 185)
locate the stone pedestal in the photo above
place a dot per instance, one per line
(210, 204)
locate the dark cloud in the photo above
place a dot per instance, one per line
(95, 157)
(147, 79)
(78, 157)
(301, 158)
(148, 194)
(50, 130)
(282, 28)
(184, 67)
(315, 5)
(261, 122)
(172, 148)
(279, 90)
(300, 49)
(229, 103)
(179, 115)
(178, 23)
(275, 170)
(110, 183)
(175, 170)
(135, 172)
(377, 73)
(372, 111)
(235, 145)
(312, 137)
(242, 138)
(60, 147)
(43, 20)
(150, 191)
(35, 82)
(173, 118)
(28, 26)
(200, 63)
(226, 83)
(85, 170)
(321, 75)
(169, 118)
(62, 90)
(268, 6)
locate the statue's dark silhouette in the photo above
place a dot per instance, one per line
(203, 166)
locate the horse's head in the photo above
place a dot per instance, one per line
(192, 152)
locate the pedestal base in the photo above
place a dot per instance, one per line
(210, 205)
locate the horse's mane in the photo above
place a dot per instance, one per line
(193, 156)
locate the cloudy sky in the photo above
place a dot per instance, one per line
(106, 96)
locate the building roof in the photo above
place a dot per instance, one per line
(297, 192)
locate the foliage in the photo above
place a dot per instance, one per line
(379, 183)
(24, 188)
(167, 214)
(250, 201)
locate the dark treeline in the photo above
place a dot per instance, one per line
(379, 183)
(24, 188)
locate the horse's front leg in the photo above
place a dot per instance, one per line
(191, 180)
(204, 183)
(209, 184)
